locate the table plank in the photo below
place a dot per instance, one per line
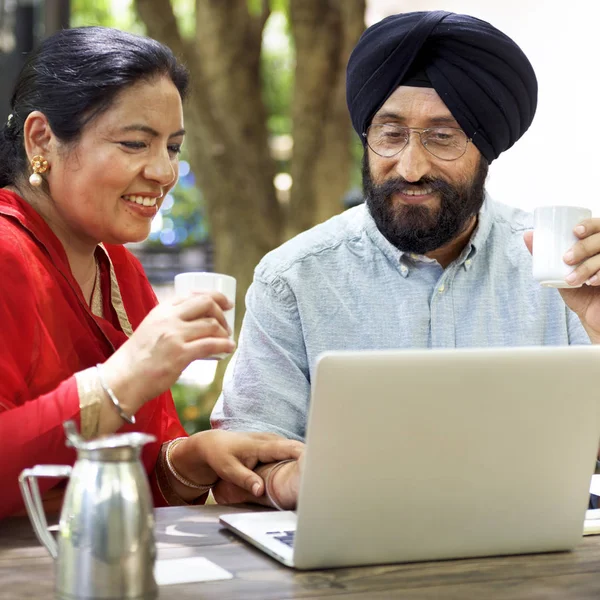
(26, 570)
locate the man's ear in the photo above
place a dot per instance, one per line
(38, 136)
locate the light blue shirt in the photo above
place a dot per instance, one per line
(343, 286)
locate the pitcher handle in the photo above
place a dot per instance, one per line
(33, 501)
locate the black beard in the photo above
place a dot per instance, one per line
(420, 229)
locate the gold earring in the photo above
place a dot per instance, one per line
(39, 165)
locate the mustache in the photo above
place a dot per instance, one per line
(399, 185)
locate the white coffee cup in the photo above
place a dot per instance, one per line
(552, 237)
(188, 283)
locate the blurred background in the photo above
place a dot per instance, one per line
(270, 151)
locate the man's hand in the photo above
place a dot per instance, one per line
(583, 301)
(284, 486)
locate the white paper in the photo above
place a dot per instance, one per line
(591, 525)
(595, 485)
(188, 570)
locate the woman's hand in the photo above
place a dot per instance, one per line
(171, 336)
(231, 456)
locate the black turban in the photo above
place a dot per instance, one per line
(481, 75)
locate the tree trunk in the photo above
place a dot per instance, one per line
(325, 31)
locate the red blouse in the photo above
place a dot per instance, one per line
(48, 333)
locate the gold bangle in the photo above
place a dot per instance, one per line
(161, 472)
(269, 480)
(187, 482)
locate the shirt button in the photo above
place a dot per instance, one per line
(468, 262)
(441, 288)
(404, 269)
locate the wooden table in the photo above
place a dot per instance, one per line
(26, 571)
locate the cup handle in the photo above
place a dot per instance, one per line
(33, 501)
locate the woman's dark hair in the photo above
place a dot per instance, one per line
(74, 76)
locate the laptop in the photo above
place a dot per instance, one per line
(439, 454)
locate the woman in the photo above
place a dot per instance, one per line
(87, 156)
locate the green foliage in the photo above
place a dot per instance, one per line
(193, 413)
(189, 211)
(357, 150)
(108, 13)
(185, 11)
(86, 12)
(255, 7)
(282, 6)
(277, 71)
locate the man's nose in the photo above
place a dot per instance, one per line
(412, 162)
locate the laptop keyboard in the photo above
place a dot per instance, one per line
(286, 537)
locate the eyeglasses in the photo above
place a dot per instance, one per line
(445, 143)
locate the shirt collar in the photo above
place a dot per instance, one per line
(480, 233)
(378, 239)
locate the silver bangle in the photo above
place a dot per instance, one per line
(113, 398)
(269, 483)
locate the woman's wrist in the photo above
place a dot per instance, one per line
(186, 463)
(201, 488)
(125, 415)
(124, 384)
(100, 414)
(171, 490)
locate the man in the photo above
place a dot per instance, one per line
(429, 260)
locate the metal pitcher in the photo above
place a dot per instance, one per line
(106, 547)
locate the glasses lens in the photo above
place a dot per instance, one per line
(446, 143)
(387, 140)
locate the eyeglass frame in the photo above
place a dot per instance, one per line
(419, 131)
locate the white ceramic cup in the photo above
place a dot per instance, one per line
(552, 237)
(188, 283)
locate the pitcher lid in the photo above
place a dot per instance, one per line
(131, 439)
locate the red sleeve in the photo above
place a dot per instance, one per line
(31, 423)
(33, 434)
